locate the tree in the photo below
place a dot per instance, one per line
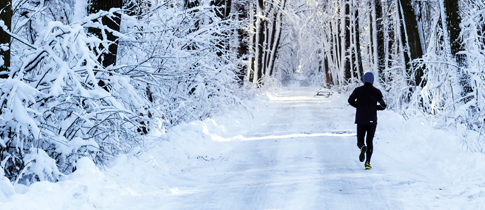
(453, 20)
(108, 56)
(410, 36)
(345, 38)
(389, 39)
(241, 8)
(222, 8)
(6, 17)
(356, 53)
(266, 19)
(275, 37)
(377, 36)
(260, 29)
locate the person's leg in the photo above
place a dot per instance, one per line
(371, 130)
(360, 142)
(360, 135)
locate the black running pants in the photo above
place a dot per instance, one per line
(362, 130)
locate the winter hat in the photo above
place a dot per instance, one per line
(369, 78)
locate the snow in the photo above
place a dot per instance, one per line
(39, 163)
(295, 150)
(80, 9)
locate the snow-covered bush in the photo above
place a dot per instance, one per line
(472, 113)
(453, 93)
(53, 103)
(186, 75)
(60, 104)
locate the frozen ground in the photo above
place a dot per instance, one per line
(295, 151)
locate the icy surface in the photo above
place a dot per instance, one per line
(295, 151)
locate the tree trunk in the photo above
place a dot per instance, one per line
(337, 49)
(359, 67)
(389, 37)
(399, 38)
(411, 39)
(332, 56)
(378, 37)
(109, 57)
(277, 38)
(269, 36)
(345, 34)
(243, 41)
(453, 20)
(260, 23)
(252, 40)
(328, 81)
(223, 8)
(6, 16)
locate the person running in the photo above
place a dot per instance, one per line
(365, 99)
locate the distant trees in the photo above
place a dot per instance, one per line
(235, 15)
(266, 21)
(353, 36)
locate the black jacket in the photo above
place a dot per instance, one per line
(365, 99)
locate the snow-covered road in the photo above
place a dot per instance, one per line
(303, 156)
(297, 151)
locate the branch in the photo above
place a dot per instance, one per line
(4, 27)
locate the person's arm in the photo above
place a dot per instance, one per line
(382, 105)
(352, 99)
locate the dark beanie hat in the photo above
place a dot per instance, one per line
(369, 78)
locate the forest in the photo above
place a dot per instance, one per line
(92, 78)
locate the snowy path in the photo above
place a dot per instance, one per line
(284, 169)
(297, 152)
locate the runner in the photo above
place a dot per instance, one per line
(365, 99)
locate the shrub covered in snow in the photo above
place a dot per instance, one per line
(60, 104)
